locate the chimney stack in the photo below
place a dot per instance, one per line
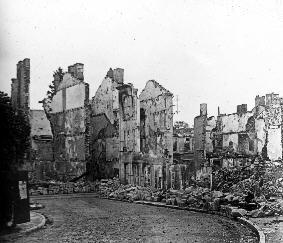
(77, 71)
(241, 109)
(203, 109)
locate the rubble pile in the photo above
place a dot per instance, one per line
(105, 187)
(250, 191)
(113, 189)
(56, 187)
(267, 209)
(224, 178)
(239, 201)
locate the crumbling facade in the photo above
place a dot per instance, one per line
(183, 154)
(156, 109)
(68, 113)
(129, 137)
(41, 160)
(40, 155)
(20, 93)
(141, 126)
(146, 135)
(105, 100)
(119, 133)
(237, 139)
(104, 127)
(104, 148)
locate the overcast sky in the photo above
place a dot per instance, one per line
(222, 53)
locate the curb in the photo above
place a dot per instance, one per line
(40, 225)
(254, 227)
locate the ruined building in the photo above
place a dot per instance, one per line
(156, 109)
(237, 139)
(131, 134)
(145, 132)
(68, 113)
(129, 138)
(104, 127)
(119, 133)
(41, 160)
(183, 152)
(40, 156)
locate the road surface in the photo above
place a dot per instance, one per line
(91, 219)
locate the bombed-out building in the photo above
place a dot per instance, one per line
(117, 133)
(129, 137)
(68, 113)
(237, 139)
(146, 131)
(104, 127)
(131, 134)
(40, 154)
(137, 131)
(183, 152)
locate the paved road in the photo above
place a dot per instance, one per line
(90, 219)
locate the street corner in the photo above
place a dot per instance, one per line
(37, 221)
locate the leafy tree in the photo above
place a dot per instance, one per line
(15, 134)
(14, 144)
(52, 87)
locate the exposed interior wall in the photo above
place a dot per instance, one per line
(157, 104)
(106, 97)
(105, 126)
(129, 136)
(41, 136)
(156, 109)
(210, 125)
(234, 123)
(68, 113)
(243, 135)
(274, 151)
(199, 140)
(104, 148)
(39, 123)
(273, 121)
(260, 133)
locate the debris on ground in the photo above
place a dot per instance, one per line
(248, 191)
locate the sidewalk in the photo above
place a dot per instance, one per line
(272, 227)
(37, 221)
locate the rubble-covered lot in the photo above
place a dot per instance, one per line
(250, 192)
(91, 219)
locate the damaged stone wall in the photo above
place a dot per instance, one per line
(68, 113)
(129, 134)
(200, 134)
(273, 121)
(183, 155)
(41, 136)
(242, 136)
(230, 127)
(210, 125)
(104, 142)
(156, 108)
(41, 160)
(20, 95)
(157, 104)
(104, 148)
(106, 97)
